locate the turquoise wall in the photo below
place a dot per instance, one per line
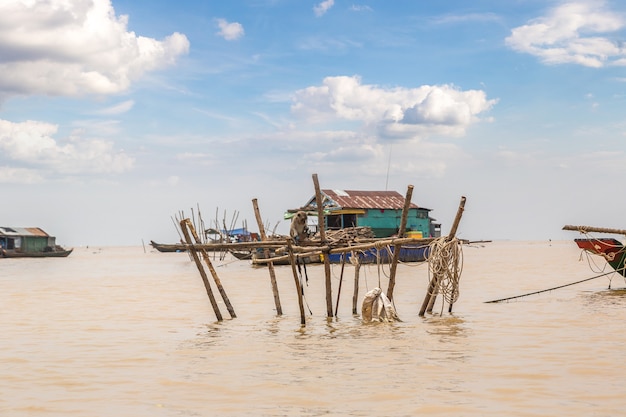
(385, 223)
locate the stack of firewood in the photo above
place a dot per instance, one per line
(349, 234)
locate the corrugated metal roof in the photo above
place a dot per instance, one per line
(22, 231)
(351, 199)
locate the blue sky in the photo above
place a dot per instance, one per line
(115, 115)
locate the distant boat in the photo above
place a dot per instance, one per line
(241, 254)
(166, 247)
(29, 242)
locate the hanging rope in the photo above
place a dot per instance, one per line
(445, 261)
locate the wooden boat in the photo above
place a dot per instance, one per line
(29, 242)
(166, 247)
(242, 255)
(408, 253)
(612, 250)
(54, 252)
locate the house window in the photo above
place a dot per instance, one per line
(333, 222)
(349, 220)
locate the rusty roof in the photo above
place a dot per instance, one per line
(22, 231)
(352, 199)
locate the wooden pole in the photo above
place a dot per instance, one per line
(320, 224)
(343, 264)
(209, 265)
(292, 259)
(355, 296)
(205, 279)
(587, 229)
(455, 225)
(397, 248)
(266, 251)
(431, 295)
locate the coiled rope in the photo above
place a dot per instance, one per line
(445, 264)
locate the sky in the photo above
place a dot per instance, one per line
(117, 116)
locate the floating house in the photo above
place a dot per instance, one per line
(379, 210)
(19, 242)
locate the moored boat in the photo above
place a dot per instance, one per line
(29, 242)
(408, 253)
(611, 249)
(166, 247)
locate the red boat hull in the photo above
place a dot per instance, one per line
(612, 250)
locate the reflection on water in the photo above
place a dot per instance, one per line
(120, 332)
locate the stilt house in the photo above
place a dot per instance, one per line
(379, 210)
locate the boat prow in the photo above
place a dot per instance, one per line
(612, 250)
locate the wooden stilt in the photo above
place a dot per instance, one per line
(396, 248)
(205, 279)
(216, 278)
(270, 265)
(292, 260)
(431, 293)
(355, 296)
(343, 264)
(320, 224)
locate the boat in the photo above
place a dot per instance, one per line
(166, 247)
(242, 255)
(611, 249)
(29, 242)
(408, 253)
(49, 252)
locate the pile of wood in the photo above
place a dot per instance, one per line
(348, 235)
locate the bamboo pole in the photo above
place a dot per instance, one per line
(311, 246)
(320, 224)
(209, 265)
(343, 264)
(266, 251)
(431, 295)
(355, 296)
(297, 281)
(321, 250)
(587, 229)
(455, 225)
(205, 279)
(396, 249)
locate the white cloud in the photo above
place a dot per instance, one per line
(229, 31)
(12, 175)
(361, 8)
(31, 143)
(572, 33)
(119, 108)
(321, 8)
(69, 48)
(398, 112)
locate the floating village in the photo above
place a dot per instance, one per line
(353, 227)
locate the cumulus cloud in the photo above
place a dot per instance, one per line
(70, 48)
(32, 144)
(398, 112)
(577, 32)
(321, 8)
(229, 31)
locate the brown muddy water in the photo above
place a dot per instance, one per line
(123, 332)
